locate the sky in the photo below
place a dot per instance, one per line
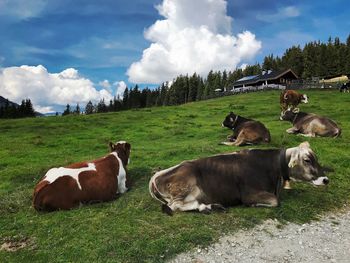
(62, 51)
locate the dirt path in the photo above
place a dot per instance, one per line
(327, 240)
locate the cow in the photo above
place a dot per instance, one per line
(290, 99)
(249, 177)
(245, 131)
(100, 180)
(344, 87)
(311, 125)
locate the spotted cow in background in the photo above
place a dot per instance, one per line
(85, 182)
(290, 99)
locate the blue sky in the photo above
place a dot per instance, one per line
(108, 40)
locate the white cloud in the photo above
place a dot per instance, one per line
(282, 13)
(106, 85)
(21, 9)
(44, 109)
(195, 36)
(120, 87)
(46, 89)
(243, 66)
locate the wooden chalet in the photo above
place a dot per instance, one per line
(280, 77)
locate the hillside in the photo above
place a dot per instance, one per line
(133, 228)
(3, 102)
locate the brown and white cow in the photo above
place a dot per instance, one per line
(245, 131)
(249, 177)
(290, 99)
(85, 182)
(311, 125)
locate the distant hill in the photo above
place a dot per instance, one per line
(3, 102)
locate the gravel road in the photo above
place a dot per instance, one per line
(327, 240)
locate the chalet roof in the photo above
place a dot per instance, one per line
(270, 75)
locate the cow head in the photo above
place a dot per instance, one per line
(122, 148)
(304, 98)
(289, 115)
(230, 120)
(303, 165)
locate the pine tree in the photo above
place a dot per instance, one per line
(193, 83)
(293, 58)
(67, 111)
(347, 56)
(126, 101)
(77, 109)
(101, 106)
(89, 108)
(29, 110)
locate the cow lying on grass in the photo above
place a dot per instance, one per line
(290, 99)
(249, 177)
(311, 125)
(245, 131)
(85, 182)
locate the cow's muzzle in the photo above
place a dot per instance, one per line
(321, 181)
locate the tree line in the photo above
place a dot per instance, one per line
(12, 111)
(315, 59)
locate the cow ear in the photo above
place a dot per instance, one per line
(111, 146)
(127, 146)
(293, 160)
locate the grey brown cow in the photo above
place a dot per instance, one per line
(249, 177)
(311, 125)
(245, 131)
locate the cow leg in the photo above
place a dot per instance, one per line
(292, 130)
(240, 140)
(190, 206)
(308, 134)
(260, 199)
(231, 138)
(228, 143)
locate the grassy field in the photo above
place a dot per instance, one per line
(133, 228)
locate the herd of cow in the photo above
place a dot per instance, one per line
(253, 177)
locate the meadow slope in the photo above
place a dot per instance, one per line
(132, 228)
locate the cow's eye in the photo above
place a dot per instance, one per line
(307, 160)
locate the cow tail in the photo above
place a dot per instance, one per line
(155, 193)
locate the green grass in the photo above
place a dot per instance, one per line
(132, 228)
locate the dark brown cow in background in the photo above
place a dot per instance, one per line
(249, 177)
(290, 99)
(85, 182)
(245, 131)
